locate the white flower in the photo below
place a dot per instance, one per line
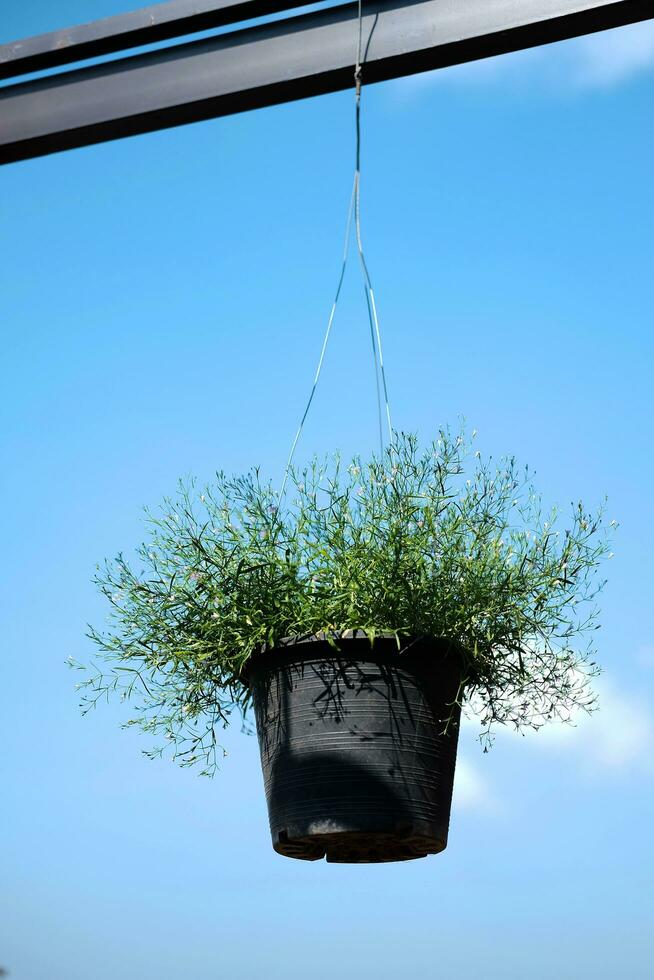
(613, 523)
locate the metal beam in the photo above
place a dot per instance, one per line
(299, 56)
(149, 25)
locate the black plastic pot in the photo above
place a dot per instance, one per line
(357, 762)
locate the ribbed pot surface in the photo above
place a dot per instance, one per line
(356, 764)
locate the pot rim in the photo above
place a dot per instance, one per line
(404, 644)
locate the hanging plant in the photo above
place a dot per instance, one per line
(360, 614)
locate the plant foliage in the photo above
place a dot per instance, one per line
(433, 542)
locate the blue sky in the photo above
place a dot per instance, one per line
(163, 302)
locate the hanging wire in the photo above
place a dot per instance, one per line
(346, 249)
(371, 306)
(373, 319)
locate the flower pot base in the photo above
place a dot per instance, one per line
(357, 848)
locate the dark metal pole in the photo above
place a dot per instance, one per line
(299, 56)
(149, 25)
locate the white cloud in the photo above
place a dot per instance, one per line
(471, 788)
(615, 740)
(614, 56)
(617, 736)
(594, 61)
